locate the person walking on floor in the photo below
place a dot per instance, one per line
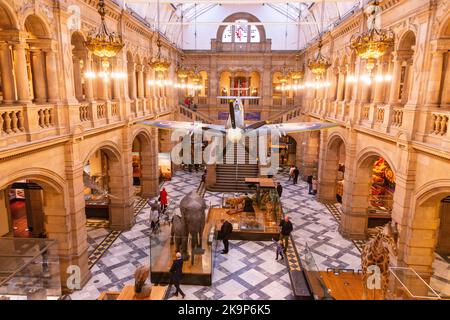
(279, 249)
(176, 273)
(279, 189)
(296, 174)
(155, 213)
(163, 199)
(314, 185)
(309, 180)
(285, 232)
(225, 232)
(291, 172)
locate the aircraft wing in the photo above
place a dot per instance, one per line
(180, 125)
(286, 128)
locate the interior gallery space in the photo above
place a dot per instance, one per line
(224, 150)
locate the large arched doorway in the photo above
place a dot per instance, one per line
(370, 203)
(332, 170)
(145, 164)
(104, 188)
(427, 248)
(288, 151)
(23, 209)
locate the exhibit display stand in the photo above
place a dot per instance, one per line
(29, 269)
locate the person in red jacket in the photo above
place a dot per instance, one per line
(163, 199)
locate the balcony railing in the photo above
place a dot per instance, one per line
(440, 123)
(11, 121)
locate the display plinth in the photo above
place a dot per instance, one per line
(163, 254)
(266, 231)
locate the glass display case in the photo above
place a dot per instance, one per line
(316, 284)
(29, 269)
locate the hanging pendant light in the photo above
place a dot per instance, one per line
(374, 43)
(195, 75)
(159, 64)
(320, 64)
(104, 45)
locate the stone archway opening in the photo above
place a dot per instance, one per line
(24, 206)
(145, 164)
(331, 180)
(441, 264)
(371, 201)
(288, 151)
(428, 240)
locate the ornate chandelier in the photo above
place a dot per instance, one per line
(104, 44)
(159, 64)
(297, 74)
(320, 64)
(374, 43)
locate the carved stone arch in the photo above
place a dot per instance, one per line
(405, 37)
(8, 17)
(444, 28)
(44, 177)
(110, 147)
(36, 25)
(369, 152)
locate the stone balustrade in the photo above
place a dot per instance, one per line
(397, 117)
(365, 112)
(440, 123)
(101, 111)
(84, 112)
(11, 121)
(46, 117)
(380, 112)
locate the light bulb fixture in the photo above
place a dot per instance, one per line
(104, 44)
(320, 64)
(297, 74)
(159, 64)
(374, 43)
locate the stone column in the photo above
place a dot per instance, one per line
(52, 77)
(140, 84)
(149, 170)
(395, 84)
(21, 73)
(348, 91)
(77, 78)
(132, 84)
(7, 74)
(379, 84)
(116, 86)
(365, 92)
(34, 205)
(445, 101)
(89, 89)
(38, 76)
(340, 90)
(434, 81)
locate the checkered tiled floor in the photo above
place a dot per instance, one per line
(316, 225)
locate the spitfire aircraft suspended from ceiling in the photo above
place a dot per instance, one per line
(235, 127)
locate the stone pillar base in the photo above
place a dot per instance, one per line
(121, 217)
(354, 226)
(72, 260)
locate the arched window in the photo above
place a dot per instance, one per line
(239, 32)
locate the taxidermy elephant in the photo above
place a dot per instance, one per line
(179, 235)
(192, 208)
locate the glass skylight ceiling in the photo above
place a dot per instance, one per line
(207, 14)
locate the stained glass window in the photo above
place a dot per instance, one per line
(228, 34)
(239, 32)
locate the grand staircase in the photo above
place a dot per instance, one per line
(238, 165)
